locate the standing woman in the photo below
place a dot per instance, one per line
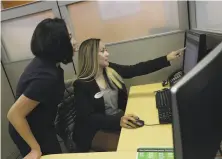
(100, 93)
(39, 90)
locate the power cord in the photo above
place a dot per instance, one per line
(74, 67)
(156, 124)
(153, 124)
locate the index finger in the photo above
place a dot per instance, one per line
(132, 115)
(180, 50)
(129, 118)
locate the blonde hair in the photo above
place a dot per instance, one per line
(89, 66)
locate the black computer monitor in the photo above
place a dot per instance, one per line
(212, 39)
(197, 109)
(195, 44)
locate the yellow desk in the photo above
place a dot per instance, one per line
(142, 103)
(100, 155)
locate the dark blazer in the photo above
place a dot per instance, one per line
(90, 111)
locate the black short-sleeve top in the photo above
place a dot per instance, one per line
(41, 81)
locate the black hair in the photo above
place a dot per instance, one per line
(51, 41)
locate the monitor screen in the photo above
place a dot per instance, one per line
(191, 52)
(196, 105)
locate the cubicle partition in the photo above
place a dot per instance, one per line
(8, 148)
(133, 31)
(131, 52)
(205, 15)
(18, 24)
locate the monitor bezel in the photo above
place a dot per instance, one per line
(178, 147)
(201, 43)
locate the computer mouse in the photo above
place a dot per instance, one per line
(139, 123)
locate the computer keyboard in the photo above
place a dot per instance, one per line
(165, 115)
(163, 104)
(163, 98)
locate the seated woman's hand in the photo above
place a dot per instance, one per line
(129, 121)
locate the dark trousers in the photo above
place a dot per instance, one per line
(85, 132)
(48, 145)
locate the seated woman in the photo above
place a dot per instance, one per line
(100, 93)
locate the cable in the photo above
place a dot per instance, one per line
(151, 124)
(63, 18)
(74, 67)
(188, 12)
(59, 9)
(154, 124)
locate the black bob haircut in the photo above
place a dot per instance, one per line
(51, 41)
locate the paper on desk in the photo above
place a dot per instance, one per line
(155, 153)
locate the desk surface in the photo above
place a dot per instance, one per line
(100, 155)
(142, 103)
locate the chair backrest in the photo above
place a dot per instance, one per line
(65, 118)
